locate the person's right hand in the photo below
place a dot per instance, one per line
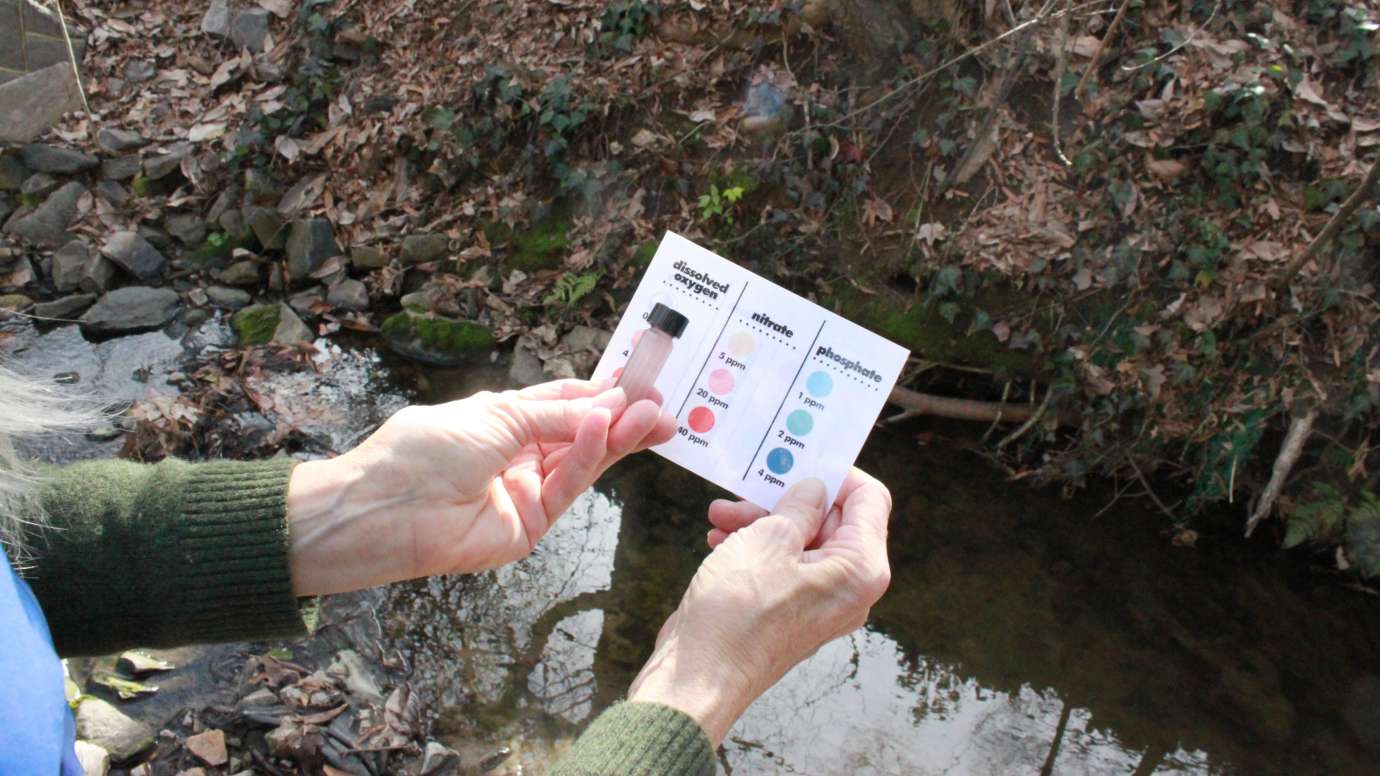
(775, 588)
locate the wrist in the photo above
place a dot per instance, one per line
(332, 546)
(713, 694)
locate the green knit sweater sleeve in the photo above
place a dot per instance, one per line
(164, 554)
(639, 739)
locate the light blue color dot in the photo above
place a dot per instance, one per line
(799, 422)
(780, 460)
(819, 384)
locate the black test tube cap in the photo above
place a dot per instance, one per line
(667, 320)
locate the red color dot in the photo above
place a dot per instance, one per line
(701, 419)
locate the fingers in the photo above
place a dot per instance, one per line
(803, 506)
(553, 420)
(564, 389)
(729, 516)
(580, 467)
(633, 427)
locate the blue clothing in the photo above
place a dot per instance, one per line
(37, 733)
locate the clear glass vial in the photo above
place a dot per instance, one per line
(651, 352)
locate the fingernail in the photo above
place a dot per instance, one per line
(809, 491)
(611, 399)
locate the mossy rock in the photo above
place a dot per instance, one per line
(255, 325)
(436, 340)
(212, 252)
(908, 322)
(535, 248)
(645, 252)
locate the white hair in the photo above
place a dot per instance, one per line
(29, 410)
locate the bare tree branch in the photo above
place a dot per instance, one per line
(1334, 225)
(1289, 451)
(1101, 49)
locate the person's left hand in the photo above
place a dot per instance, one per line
(458, 487)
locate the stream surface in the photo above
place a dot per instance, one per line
(1023, 633)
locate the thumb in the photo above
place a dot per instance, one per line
(804, 509)
(555, 420)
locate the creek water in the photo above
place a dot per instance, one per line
(1023, 632)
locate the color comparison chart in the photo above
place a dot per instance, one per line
(767, 388)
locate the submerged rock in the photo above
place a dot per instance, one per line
(109, 728)
(265, 323)
(64, 307)
(436, 340)
(130, 309)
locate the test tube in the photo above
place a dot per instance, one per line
(651, 352)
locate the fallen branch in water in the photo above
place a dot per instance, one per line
(1299, 430)
(916, 403)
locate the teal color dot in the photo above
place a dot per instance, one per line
(800, 422)
(780, 460)
(819, 384)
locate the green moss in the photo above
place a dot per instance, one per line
(255, 325)
(141, 186)
(436, 340)
(533, 249)
(30, 200)
(909, 323)
(645, 252)
(217, 247)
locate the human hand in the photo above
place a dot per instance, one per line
(458, 487)
(775, 588)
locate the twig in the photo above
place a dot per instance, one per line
(1149, 491)
(76, 72)
(1005, 393)
(983, 142)
(1176, 49)
(1030, 422)
(1061, 65)
(1101, 49)
(1334, 225)
(1289, 451)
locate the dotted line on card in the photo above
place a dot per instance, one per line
(695, 297)
(868, 384)
(767, 332)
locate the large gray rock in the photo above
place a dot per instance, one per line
(31, 104)
(66, 307)
(114, 193)
(310, 242)
(47, 224)
(418, 248)
(118, 140)
(136, 255)
(241, 273)
(121, 168)
(156, 167)
(265, 323)
(231, 298)
(128, 310)
(268, 227)
(217, 19)
(40, 184)
(109, 728)
(98, 275)
(349, 294)
(368, 257)
(69, 265)
(249, 29)
(13, 173)
(63, 161)
(188, 228)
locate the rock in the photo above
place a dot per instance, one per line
(260, 186)
(439, 760)
(69, 265)
(121, 168)
(15, 302)
(156, 237)
(357, 674)
(31, 104)
(526, 367)
(559, 368)
(241, 273)
(225, 201)
(189, 229)
(113, 193)
(368, 257)
(419, 248)
(310, 242)
(12, 172)
(97, 274)
(197, 771)
(139, 70)
(39, 185)
(249, 29)
(302, 302)
(94, 759)
(380, 103)
(586, 338)
(158, 167)
(128, 310)
(436, 340)
(135, 254)
(265, 323)
(64, 161)
(260, 697)
(209, 747)
(232, 222)
(230, 298)
(217, 19)
(47, 224)
(66, 307)
(6, 207)
(198, 297)
(141, 663)
(418, 301)
(766, 109)
(268, 227)
(118, 140)
(18, 272)
(107, 727)
(349, 294)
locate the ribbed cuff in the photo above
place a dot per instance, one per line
(232, 575)
(639, 739)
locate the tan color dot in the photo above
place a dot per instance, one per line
(741, 344)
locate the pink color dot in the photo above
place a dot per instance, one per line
(721, 381)
(701, 419)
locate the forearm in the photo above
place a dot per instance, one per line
(639, 739)
(164, 554)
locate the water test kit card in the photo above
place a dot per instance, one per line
(767, 388)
